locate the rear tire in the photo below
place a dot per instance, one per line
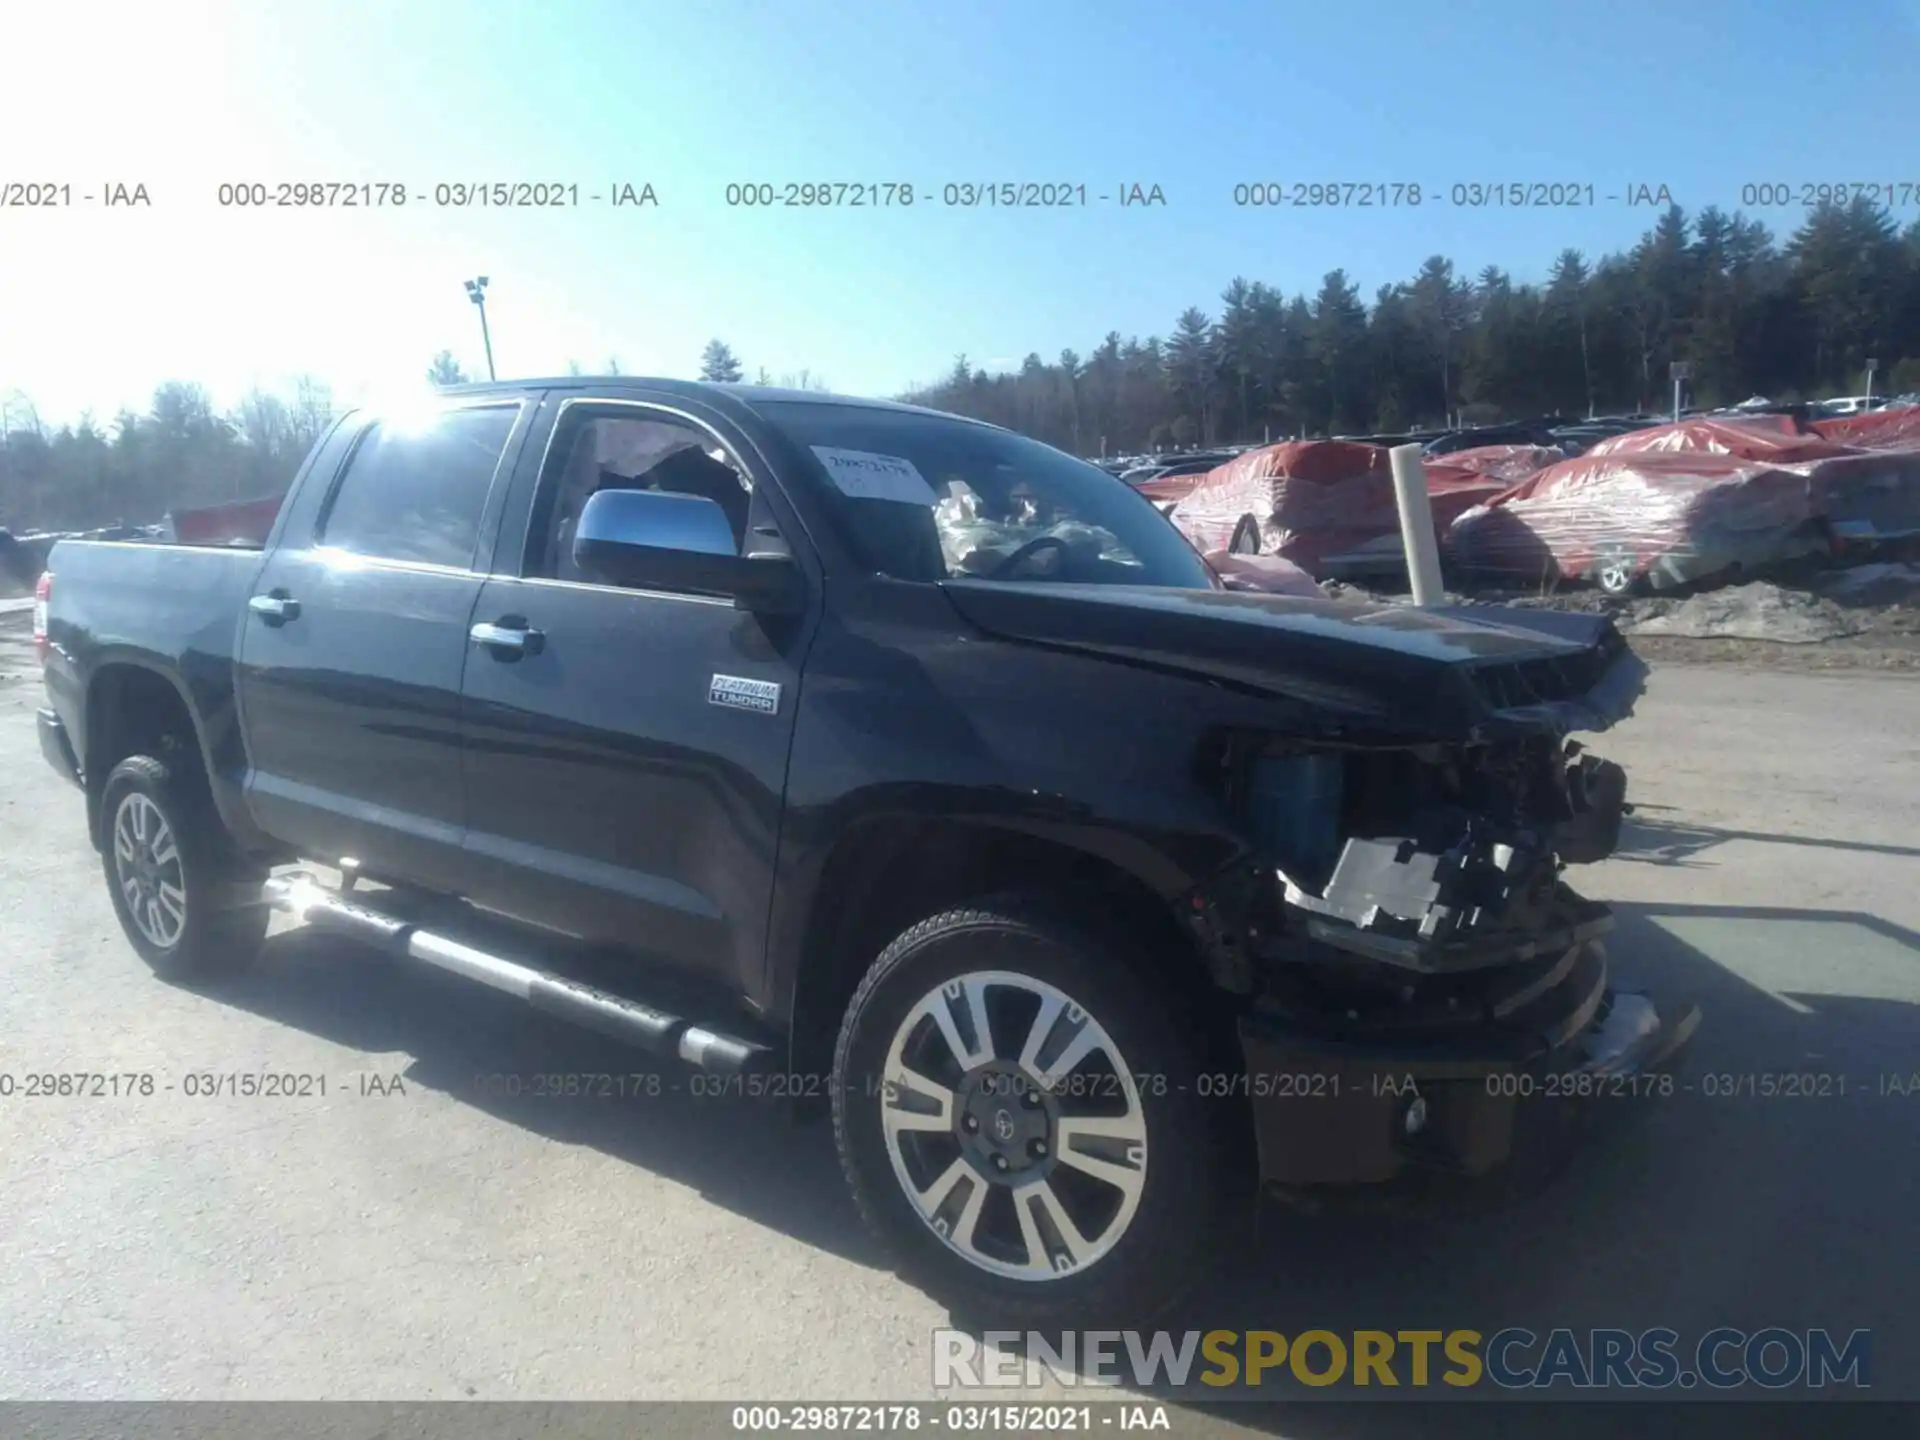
(187, 903)
(957, 1149)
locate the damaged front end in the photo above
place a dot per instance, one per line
(1423, 985)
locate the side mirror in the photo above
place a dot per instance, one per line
(656, 540)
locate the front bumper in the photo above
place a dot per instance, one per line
(57, 748)
(1339, 1105)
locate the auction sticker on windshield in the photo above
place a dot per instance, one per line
(867, 476)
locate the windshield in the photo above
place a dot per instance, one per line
(928, 498)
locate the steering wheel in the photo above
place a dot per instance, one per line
(1026, 552)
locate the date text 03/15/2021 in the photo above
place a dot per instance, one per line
(965, 1418)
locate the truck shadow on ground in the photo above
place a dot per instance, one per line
(1727, 1203)
(1667, 842)
(492, 1052)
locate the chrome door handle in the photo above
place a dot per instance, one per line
(507, 640)
(274, 609)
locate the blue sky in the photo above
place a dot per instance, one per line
(97, 306)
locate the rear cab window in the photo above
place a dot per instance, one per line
(415, 488)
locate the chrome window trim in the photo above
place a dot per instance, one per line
(321, 554)
(688, 595)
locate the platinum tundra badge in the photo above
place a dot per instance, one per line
(740, 693)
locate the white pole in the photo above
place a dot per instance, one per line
(1416, 524)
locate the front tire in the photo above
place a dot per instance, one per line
(1017, 1113)
(1616, 572)
(183, 898)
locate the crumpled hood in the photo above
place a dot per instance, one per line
(1455, 672)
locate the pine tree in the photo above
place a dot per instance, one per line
(718, 365)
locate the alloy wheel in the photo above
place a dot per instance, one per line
(147, 864)
(1616, 574)
(1014, 1125)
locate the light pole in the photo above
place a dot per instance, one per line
(477, 292)
(1872, 365)
(1681, 373)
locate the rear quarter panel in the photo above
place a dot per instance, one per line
(173, 610)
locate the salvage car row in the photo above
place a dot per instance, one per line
(1659, 506)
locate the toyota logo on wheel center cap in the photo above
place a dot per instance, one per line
(1003, 1125)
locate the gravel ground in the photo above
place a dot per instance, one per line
(444, 1242)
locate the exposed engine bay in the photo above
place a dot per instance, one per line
(1387, 868)
(1404, 938)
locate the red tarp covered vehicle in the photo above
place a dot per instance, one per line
(1616, 519)
(1864, 469)
(1325, 505)
(1873, 495)
(1893, 429)
(1681, 502)
(1759, 437)
(245, 522)
(1170, 487)
(1509, 464)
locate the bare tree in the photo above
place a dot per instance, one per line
(18, 414)
(265, 426)
(312, 411)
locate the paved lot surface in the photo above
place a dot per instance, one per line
(443, 1242)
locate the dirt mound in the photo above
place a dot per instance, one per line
(1759, 610)
(1862, 617)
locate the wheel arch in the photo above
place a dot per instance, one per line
(134, 708)
(888, 872)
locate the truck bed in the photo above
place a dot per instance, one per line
(173, 608)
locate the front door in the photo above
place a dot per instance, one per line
(627, 750)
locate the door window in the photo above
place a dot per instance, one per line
(628, 452)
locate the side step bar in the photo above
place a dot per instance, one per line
(613, 1015)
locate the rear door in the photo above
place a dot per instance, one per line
(626, 763)
(352, 646)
